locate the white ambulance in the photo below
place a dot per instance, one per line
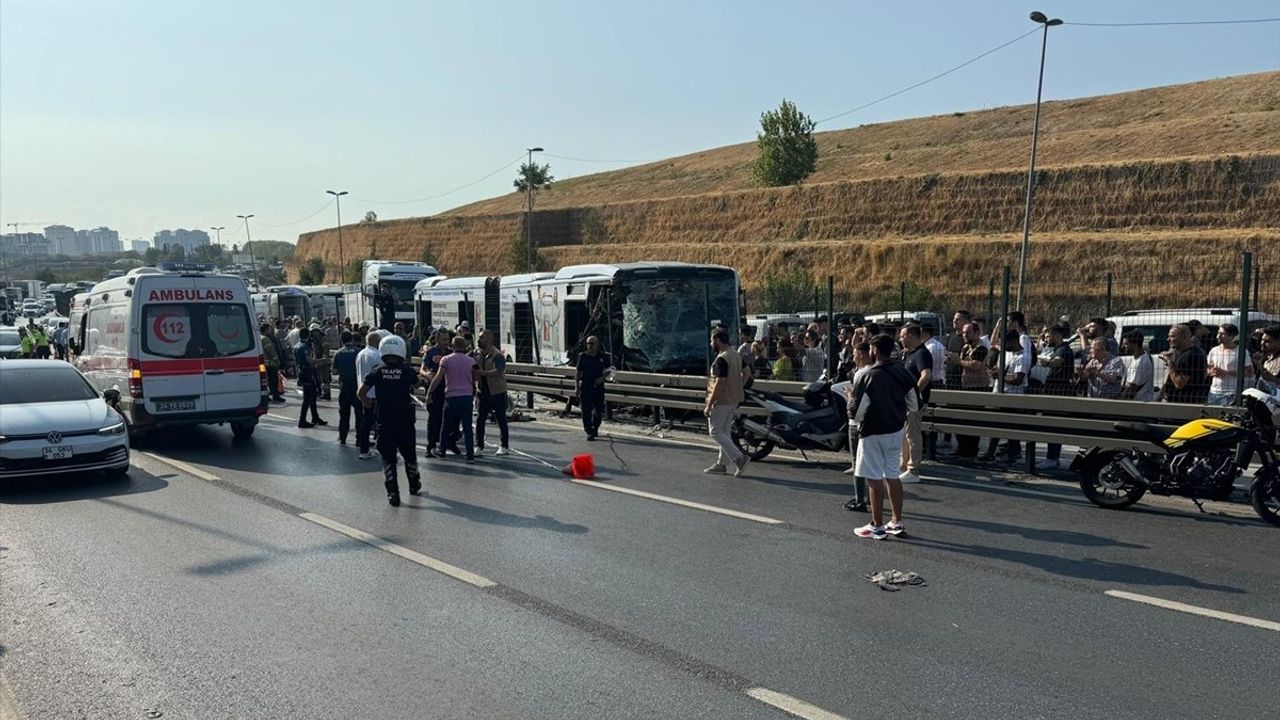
(179, 344)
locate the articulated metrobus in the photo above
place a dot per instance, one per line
(652, 316)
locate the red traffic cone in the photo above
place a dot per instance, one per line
(583, 467)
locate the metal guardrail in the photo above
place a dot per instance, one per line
(1083, 422)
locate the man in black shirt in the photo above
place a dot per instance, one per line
(883, 398)
(1186, 382)
(385, 302)
(592, 366)
(919, 363)
(393, 381)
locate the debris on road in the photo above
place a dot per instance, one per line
(895, 580)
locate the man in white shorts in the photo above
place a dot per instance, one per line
(882, 399)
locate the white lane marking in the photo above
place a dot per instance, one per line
(427, 561)
(8, 708)
(274, 416)
(678, 501)
(184, 467)
(792, 706)
(1195, 610)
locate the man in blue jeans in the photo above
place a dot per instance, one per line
(458, 375)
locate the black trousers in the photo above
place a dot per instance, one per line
(435, 417)
(365, 425)
(348, 404)
(309, 395)
(496, 404)
(400, 440)
(592, 409)
(273, 382)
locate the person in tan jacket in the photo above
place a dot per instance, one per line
(491, 389)
(724, 394)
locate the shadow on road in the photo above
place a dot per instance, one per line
(68, 488)
(1086, 568)
(1062, 537)
(489, 516)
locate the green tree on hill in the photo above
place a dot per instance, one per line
(533, 174)
(788, 152)
(312, 272)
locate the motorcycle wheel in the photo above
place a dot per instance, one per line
(755, 447)
(1106, 483)
(1264, 495)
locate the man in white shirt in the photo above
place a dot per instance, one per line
(1221, 366)
(368, 359)
(1140, 372)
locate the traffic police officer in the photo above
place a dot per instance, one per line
(393, 382)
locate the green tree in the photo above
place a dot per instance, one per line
(370, 217)
(788, 152)
(905, 296)
(533, 173)
(788, 291)
(46, 276)
(520, 255)
(353, 272)
(312, 272)
(151, 256)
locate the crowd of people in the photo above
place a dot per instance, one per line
(38, 343)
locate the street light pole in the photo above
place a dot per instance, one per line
(342, 263)
(1041, 18)
(528, 213)
(249, 241)
(218, 237)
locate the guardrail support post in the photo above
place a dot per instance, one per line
(832, 350)
(1246, 274)
(1108, 312)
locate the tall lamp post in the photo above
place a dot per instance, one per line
(1041, 18)
(249, 241)
(342, 263)
(217, 231)
(528, 213)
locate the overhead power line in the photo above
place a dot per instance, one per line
(942, 74)
(298, 221)
(1183, 22)
(517, 159)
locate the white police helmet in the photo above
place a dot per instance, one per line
(392, 345)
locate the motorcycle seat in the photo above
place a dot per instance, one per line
(1144, 431)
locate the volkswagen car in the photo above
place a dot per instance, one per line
(52, 421)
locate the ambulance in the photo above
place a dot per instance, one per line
(179, 346)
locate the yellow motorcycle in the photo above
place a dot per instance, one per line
(1200, 460)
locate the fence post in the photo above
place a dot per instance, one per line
(815, 303)
(1004, 329)
(902, 301)
(1257, 282)
(706, 319)
(1242, 351)
(832, 350)
(1108, 313)
(991, 305)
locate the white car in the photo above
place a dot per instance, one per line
(10, 343)
(52, 421)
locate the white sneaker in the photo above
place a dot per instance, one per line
(741, 466)
(716, 469)
(849, 470)
(875, 532)
(365, 455)
(1047, 464)
(503, 451)
(908, 477)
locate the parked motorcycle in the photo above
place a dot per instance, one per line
(1200, 460)
(819, 423)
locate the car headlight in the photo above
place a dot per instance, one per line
(117, 429)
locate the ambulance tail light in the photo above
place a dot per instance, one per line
(262, 375)
(135, 379)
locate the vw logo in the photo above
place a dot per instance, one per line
(54, 437)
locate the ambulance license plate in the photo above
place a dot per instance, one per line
(175, 405)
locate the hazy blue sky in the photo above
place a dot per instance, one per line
(151, 115)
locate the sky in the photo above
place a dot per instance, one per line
(147, 115)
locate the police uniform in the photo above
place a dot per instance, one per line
(394, 385)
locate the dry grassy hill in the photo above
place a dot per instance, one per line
(1132, 183)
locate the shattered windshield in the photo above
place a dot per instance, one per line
(666, 321)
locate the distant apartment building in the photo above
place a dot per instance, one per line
(62, 240)
(24, 245)
(188, 240)
(99, 241)
(139, 246)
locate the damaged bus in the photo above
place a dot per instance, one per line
(652, 316)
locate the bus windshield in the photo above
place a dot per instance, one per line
(666, 321)
(403, 290)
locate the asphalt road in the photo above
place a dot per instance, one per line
(222, 580)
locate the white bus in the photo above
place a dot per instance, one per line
(652, 316)
(400, 278)
(180, 346)
(327, 300)
(285, 301)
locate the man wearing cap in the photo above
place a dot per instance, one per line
(308, 378)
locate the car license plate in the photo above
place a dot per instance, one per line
(175, 405)
(58, 452)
